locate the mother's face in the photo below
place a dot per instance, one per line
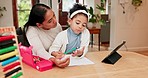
(50, 20)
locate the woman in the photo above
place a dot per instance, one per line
(41, 30)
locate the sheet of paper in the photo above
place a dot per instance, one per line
(75, 61)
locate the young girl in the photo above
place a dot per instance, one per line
(75, 39)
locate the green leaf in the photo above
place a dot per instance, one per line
(100, 8)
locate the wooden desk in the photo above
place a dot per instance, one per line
(95, 31)
(131, 65)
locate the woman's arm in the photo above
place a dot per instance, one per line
(60, 63)
(35, 41)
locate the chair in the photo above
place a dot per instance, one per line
(21, 38)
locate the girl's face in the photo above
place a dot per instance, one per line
(50, 20)
(78, 23)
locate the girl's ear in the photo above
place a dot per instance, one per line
(39, 25)
(69, 21)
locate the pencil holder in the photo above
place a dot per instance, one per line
(34, 61)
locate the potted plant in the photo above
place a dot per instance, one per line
(102, 9)
(1, 10)
(95, 18)
(136, 3)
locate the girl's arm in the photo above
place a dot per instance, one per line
(84, 44)
(55, 49)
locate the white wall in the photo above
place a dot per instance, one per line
(54, 6)
(89, 3)
(131, 26)
(7, 18)
(46, 2)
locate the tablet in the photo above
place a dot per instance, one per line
(113, 57)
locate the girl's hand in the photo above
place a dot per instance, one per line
(58, 54)
(78, 52)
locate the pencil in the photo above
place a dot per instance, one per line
(9, 60)
(4, 38)
(8, 49)
(13, 71)
(7, 43)
(11, 66)
(70, 51)
(17, 75)
(7, 55)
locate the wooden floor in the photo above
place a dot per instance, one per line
(105, 48)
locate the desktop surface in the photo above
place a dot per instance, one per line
(131, 65)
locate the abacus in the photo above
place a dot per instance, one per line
(10, 64)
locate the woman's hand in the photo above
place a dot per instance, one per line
(78, 52)
(60, 63)
(57, 60)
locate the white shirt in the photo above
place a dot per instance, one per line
(41, 39)
(61, 41)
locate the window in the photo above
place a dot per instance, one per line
(21, 10)
(67, 4)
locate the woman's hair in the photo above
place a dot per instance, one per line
(77, 7)
(37, 15)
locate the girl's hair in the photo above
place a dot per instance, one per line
(37, 15)
(77, 7)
